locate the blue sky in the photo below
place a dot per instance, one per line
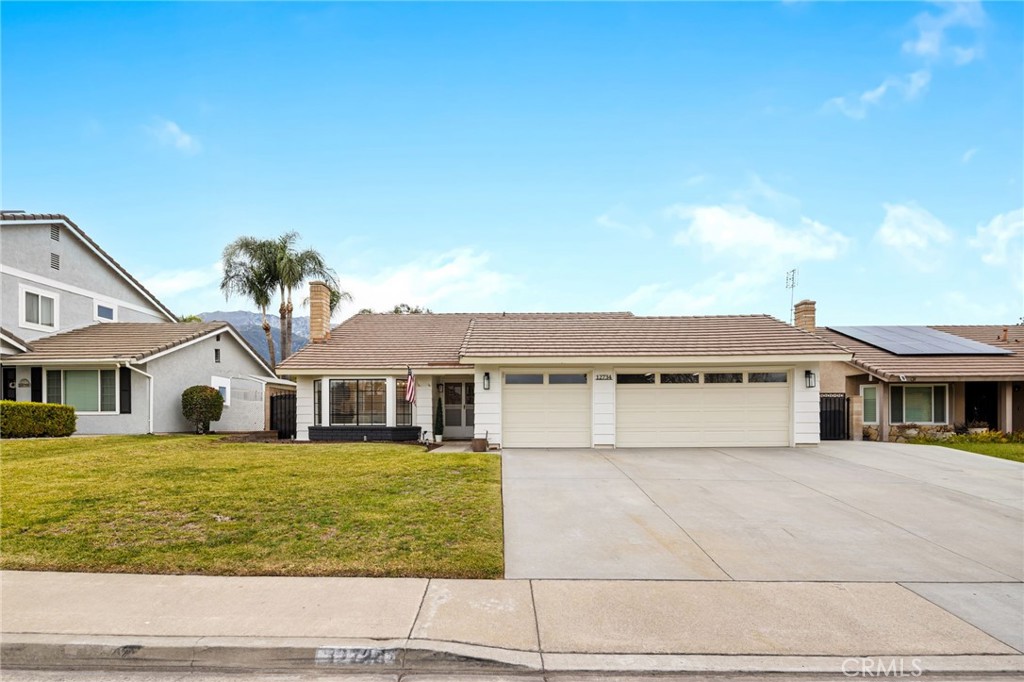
(665, 158)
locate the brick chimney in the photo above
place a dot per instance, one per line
(319, 312)
(803, 315)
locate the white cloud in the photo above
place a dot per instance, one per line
(968, 155)
(737, 232)
(1002, 239)
(932, 40)
(628, 228)
(169, 134)
(174, 282)
(909, 87)
(914, 234)
(721, 294)
(460, 279)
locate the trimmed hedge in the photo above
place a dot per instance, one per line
(35, 420)
(201, 405)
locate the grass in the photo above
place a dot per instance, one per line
(193, 504)
(1011, 451)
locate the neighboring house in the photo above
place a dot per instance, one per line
(927, 375)
(560, 380)
(78, 329)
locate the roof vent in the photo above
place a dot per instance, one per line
(55, 261)
(55, 232)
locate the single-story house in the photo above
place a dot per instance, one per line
(560, 380)
(940, 375)
(127, 377)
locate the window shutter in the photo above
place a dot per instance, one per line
(126, 390)
(36, 378)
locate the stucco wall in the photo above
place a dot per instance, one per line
(82, 275)
(834, 375)
(194, 365)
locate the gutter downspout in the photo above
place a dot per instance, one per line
(150, 377)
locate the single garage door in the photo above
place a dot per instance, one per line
(702, 409)
(545, 410)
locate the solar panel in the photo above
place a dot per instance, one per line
(918, 341)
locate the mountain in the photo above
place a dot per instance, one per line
(249, 325)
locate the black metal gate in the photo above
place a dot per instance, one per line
(282, 415)
(835, 416)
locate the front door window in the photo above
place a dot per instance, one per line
(458, 404)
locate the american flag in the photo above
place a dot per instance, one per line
(410, 387)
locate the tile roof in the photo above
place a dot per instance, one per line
(440, 340)
(12, 217)
(115, 341)
(890, 366)
(16, 339)
(642, 336)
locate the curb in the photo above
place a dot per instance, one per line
(249, 654)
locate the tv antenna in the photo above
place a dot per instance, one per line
(791, 285)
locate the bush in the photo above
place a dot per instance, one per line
(201, 405)
(35, 420)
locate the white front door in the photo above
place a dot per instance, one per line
(458, 409)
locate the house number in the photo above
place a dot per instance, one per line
(602, 377)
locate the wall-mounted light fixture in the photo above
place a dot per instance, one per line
(487, 381)
(810, 379)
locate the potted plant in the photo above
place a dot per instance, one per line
(977, 426)
(439, 422)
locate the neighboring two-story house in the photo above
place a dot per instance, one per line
(77, 328)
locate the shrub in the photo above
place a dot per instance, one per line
(983, 437)
(439, 419)
(201, 405)
(35, 420)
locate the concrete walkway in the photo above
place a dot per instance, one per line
(170, 622)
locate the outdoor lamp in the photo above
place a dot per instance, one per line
(809, 378)
(487, 381)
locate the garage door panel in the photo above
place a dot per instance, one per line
(702, 415)
(545, 415)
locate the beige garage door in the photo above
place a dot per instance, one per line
(702, 409)
(545, 410)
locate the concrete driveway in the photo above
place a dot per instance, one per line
(839, 512)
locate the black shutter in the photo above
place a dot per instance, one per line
(126, 390)
(37, 384)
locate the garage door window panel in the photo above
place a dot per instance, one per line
(567, 378)
(524, 379)
(767, 377)
(634, 378)
(691, 378)
(723, 378)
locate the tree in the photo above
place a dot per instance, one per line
(250, 271)
(401, 309)
(189, 318)
(439, 419)
(292, 268)
(201, 405)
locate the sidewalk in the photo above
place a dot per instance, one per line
(170, 622)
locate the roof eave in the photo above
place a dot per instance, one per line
(722, 359)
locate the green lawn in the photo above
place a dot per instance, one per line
(1014, 451)
(192, 504)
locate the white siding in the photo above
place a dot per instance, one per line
(303, 407)
(806, 407)
(604, 408)
(487, 422)
(423, 410)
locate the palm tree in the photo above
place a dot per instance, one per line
(292, 269)
(250, 271)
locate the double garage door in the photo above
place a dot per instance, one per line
(713, 409)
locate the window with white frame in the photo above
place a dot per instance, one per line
(358, 402)
(87, 390)
(917, 404)
(39, 309)
(104, 311)
(870, 396)
(223, 386)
